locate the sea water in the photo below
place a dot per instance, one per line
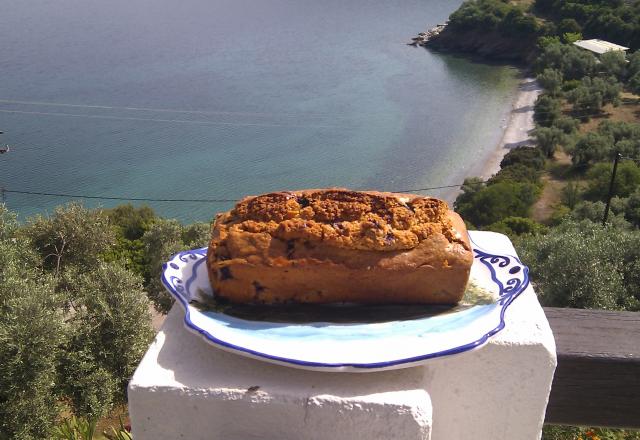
(218, 99)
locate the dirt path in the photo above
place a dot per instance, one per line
(551, 195)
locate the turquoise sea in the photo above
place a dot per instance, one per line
(217, 99)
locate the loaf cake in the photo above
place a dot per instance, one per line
(337, 245)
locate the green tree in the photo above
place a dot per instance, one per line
(574, 63)
(586, 102)
(571, 194)
(517, 23)
(626, 182)
(468, 190)
(163, 239)
(551, 81)
(571, 37)
(527, 156)
(634, 84)
(111, 328)
(132, 222)
(568, 125)
(31, 336)
(633, 66)
(594, 211)
(495, 202)
(91, 316)
(548, 139)
(620, 130)
(516, 173)
(632, 208)
(546, 110)
(583, 265)
(592, 94)
(569, 25)
(614, 64)
(514, 226)
(591, 148)
(74, 235)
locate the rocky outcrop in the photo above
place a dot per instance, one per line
(424, 37)
(491, 45)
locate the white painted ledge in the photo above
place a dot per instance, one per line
(186, 388)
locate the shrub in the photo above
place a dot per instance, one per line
(592, 94)
(551, 80)
(591, 148)
(583, 265)
(74, 235)
(548, 139)
(70, 331)
(566, 124)
(164, 239)
(626, 182)
(527, 156)
(516, 173)
(594, 212)
(32, 334)
(614, 64)
(546, 110)
(111, 329)
(632, 208)
(132, 222)
(514, 226)
(495, 202)
(572, 62)
(571, 194)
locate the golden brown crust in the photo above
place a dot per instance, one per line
(337, 245)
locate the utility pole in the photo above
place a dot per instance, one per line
(610, 195)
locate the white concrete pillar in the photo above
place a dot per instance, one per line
(186, 388)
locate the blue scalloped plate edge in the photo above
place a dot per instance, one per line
(507, 294)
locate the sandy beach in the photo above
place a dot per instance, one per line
(518, 128)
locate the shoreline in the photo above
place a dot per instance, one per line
(517, 131)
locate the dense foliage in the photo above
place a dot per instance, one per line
(75, 309)
(584, 265)
(32, 337)
(615, 20)
(494, 15)
(510, 193)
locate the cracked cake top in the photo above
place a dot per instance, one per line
(373, 221)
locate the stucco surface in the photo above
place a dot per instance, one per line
(186, 388)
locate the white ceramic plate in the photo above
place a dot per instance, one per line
(344, 337)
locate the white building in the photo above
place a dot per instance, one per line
(599, 46)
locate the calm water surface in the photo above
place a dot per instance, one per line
(216, 99)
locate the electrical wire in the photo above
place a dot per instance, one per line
(173, 121)
(144, 199)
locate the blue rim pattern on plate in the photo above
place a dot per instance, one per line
(506, 271)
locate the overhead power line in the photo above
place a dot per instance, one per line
(136, 199)
(175, 121)
(212, 200)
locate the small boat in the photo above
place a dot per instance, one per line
(5, 149)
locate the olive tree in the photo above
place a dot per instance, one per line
(583, 265)
(72, 326)
(110, 327)
(73, 235)
(164, 239)
(32, 332)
